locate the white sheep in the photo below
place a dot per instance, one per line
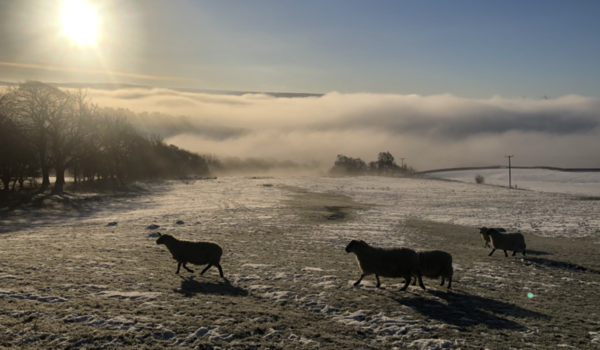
(392, 262)
(197, 253)
(483, 231)
(506, 241)
(434, 264)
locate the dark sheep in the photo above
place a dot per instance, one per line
(434, 264)
(390, 262)
(197, 253)
(506, 241)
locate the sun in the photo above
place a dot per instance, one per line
(80, 22)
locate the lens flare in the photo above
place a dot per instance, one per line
(530, 295)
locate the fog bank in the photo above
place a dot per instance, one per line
(428, 131)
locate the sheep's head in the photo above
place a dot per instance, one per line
(354, 245)
(162, 239)
(483, 229)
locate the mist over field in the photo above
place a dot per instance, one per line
(429, 131)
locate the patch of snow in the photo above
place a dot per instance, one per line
(260, 288)
(280, 297)
(129, 295)
(210, 333)
(243, 278)
(352, 318)
(431, 344)
(312, 269)
(31, 296)
(257, 266)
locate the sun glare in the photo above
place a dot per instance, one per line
(80, 22)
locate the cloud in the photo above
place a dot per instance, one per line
(92, 71)
(429, 131)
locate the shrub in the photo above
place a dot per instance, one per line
(479, 179)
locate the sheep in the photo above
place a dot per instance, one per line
(393, 262)
(434, 264)
(197, 253)
(483, 231)
(506, 241)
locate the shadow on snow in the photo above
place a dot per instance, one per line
(191, 287)
(559, 265)
(467, 310)
(535, 252)
(45, 209)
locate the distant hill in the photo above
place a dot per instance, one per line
(113, 86)
(505, 167)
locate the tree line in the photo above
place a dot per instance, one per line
(385, 165)
(45, 130)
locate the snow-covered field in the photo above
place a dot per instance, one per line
(581, 183)
(390, 200)
(86, 273)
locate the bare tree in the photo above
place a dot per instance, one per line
(34, 105)
(17, 159)
(67, 132)
(69, 129)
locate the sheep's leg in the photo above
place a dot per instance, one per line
(514, 253)
(178, 266)
(206, 268)
(421, 282)
(443, 281)
(505, 254)
(406, 283)
(449, 282)
(414, 281)
(360, 279)
(220, 269)
(185, 267)
(524, 252)
(487, 245)
(492, 252)
(378, 283)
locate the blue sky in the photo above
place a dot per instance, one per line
(473, 49)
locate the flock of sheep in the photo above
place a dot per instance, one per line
(385, 262)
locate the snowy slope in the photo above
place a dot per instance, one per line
(583, 183)
(230, 201)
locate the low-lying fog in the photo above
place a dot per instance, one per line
(431, 132)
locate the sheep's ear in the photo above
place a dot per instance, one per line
(158, 234)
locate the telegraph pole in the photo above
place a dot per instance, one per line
(509, 174)
(402, 162)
